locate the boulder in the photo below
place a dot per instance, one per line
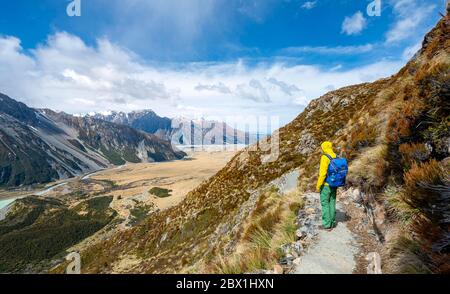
(356, 195)
(278, 269)
(298, 247)
(301, 233)
(310, 211)
(297, 261)
(287, 260)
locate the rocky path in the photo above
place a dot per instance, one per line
(327, 252)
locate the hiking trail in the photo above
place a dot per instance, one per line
(328, 252)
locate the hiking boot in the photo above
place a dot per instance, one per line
(325, 229)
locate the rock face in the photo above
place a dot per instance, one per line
(146, 120)
(118, 143)
(38, 146)
(309, 218)
(307, 144)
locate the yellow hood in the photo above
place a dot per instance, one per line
(327, 148)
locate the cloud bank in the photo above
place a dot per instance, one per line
(66, 74)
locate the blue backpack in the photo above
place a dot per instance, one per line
(337, 171)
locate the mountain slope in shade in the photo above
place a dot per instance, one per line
(180, 131)
(38, 146)
(395, 133)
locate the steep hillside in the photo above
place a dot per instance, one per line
(118, 143)
(395, 132)
(180, 131)
(34, 150)
(42, 146)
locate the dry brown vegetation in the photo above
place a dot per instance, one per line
(270, 226)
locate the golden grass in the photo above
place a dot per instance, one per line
(397, 207)
(368, 168)
(263, 238)
(414, 205)
(405, 256)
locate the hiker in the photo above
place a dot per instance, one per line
(333, 171)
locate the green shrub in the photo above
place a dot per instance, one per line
(139, 213)
(160, 192)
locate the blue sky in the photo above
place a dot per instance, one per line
(202, 57)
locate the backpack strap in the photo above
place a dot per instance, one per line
(331, 160)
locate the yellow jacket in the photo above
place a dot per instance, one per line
(327, 148)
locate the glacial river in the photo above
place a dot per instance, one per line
(6, 202)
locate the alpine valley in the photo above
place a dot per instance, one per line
(113, 188)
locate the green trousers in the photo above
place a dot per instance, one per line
(328, 201)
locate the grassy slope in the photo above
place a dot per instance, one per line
(368, 122)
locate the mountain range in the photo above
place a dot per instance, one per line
(180, 131)
(40, 145)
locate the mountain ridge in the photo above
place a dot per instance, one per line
(179, 130)
(39, 146)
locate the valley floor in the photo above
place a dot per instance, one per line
(134, 180)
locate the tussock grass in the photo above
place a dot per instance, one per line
(413, 153)
(369, 167)
(418, 182)
(397, 206)
(421, 205)
(263, 236)
(406, 256)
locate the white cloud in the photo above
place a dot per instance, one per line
(309, 5)
(255, 90)
(338, 50)
(301, 100)
(287, 89)
(66, 74)
(354, 24)
(220, 87)
(409, 15)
